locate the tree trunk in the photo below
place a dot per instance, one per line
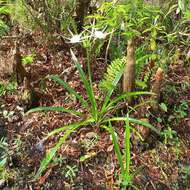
(129, 71)
(81, 12)
(156, 87)
(18, 68)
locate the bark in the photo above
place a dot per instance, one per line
(156, 87)
(28, 96)
(129, 71)
(18, 68)
(81, 12)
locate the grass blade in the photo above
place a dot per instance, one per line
(116, 146)
(57, 79)
(122, 97)
(87, 86)
(64, 128)
(127, 146)
(51, 153)
(126, 95)
(58, 109)
(132, 120)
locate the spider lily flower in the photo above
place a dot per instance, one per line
(75, 39)
(99, 34)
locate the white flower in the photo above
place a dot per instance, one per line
(99, 34)
(75, 39)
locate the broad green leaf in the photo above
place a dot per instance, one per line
(163, 107)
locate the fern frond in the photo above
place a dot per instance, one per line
(114, 72)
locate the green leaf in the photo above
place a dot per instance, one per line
(4, 10)
(68, 129)
(127, 146)
(87, 156)
(3, 162)
(57, 79)
(51, 153)
(87, 86)
(26, 60)
(163, 106)
(58, 109)
(122, 97)
(62, 129)
(115, 71)
(110, 129)
(132, 120)
(126, 95)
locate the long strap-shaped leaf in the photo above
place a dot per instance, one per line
(64, 128)
(57, 79)
(121, 97)
(126, 95)
(127, 147)
(110, 129)
(132, 120)
(58, 109)
(87, 85)
(51, 153)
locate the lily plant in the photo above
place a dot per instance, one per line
(98, 112)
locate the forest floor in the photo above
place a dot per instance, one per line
(87, 159)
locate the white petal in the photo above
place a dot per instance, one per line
(75, 39)
(99, 34)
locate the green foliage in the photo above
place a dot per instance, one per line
(115, 68)
(6, 153)
(143, 56)
(183, 5)
(28, 59)
(4, 10)
(124, 160)
(70, 172)
(169, 135)
(96, 116)
(164, 107)
(3, 28)
(49, 16)
(10, 87)
(130, 16)
(180, 112)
